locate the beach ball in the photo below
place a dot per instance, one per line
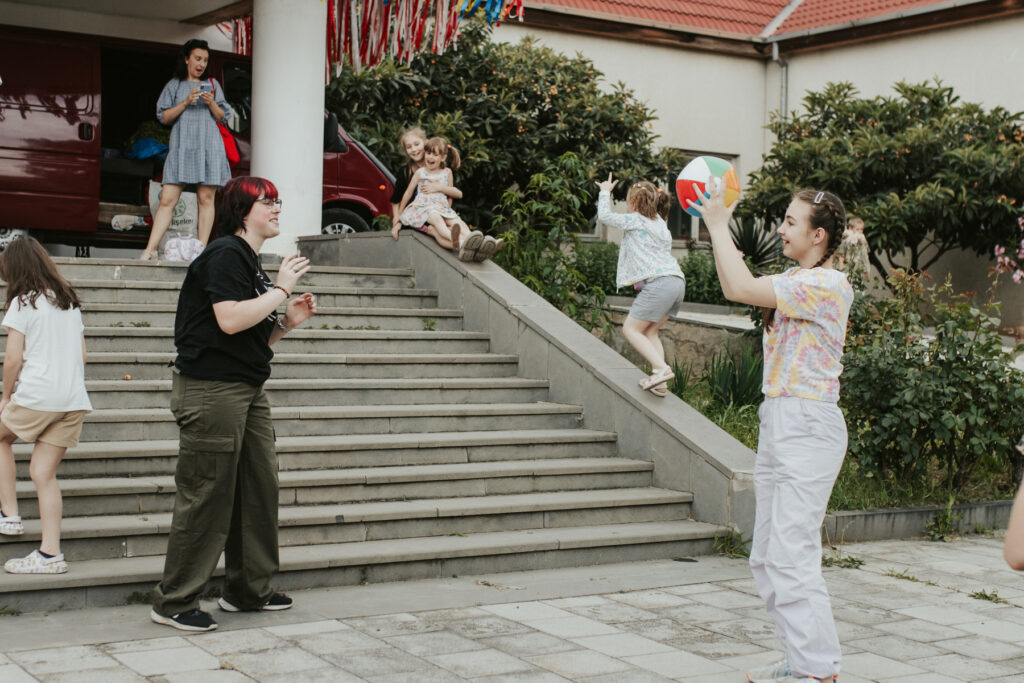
(697, 173)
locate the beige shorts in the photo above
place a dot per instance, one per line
(57, 429)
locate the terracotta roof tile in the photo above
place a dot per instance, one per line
(812, 14)
(744, 17)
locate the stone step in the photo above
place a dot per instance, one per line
(169, 271)
(113, 536)
(165, 292)
(155, 493)
(143, 458)
(112, 582)
(146, 424)
(156, 393)
(327, 318)
(112, 366)
(301, 340)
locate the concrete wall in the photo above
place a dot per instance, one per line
(93, 23)
(690, 453)
(727, 118)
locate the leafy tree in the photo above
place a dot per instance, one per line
(926, 172)
(509, 109)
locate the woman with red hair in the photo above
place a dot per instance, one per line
(226, 476)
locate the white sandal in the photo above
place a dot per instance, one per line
(11, 525)
(657, 379)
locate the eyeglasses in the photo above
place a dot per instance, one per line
(272, 203)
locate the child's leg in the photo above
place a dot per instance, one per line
(442, 228)
(635, 332)
(43, 470)
(445, 242)
(655, 339)
(8, 494)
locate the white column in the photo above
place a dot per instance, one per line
(289, 48)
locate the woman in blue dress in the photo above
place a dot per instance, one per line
(193, 104)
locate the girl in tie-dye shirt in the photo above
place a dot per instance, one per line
(802, 439)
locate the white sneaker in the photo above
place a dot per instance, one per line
(769, 673)
(35, 563)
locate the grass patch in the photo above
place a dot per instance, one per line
(991, 597)
(739, 421)
(732, 545)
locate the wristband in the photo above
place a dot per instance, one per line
(287, 294)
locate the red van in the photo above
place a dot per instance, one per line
(69, 103)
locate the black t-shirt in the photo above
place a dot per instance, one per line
(227, 270)
(402, 179)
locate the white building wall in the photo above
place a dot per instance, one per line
(727, 118)
(61, 19)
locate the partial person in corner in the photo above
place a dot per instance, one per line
(226, 475)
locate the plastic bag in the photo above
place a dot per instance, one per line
(183, 248)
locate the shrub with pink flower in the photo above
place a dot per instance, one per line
(1011, 264)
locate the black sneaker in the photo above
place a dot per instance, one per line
(277, 602)
(193, 620)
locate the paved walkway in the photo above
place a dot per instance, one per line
(906, 615)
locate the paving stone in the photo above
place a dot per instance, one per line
(965, 668)
(940, 614)
(633, 676)
(572, 627)
(611, 612)
(118, 675)
(895, 647)
(527, 611)
(623, 645)
(221, 676)
(329, 675)
(979, 647)
(307, 628)
(485, 627)
(742, 629)
(233, 642)
(480, 663)
(577, 664)
(698, 614)
(431, 643)
(273, 662)
(922, 631)
(728, 599)
(144, 645)
(996, 628)
(12, 673)
(61, 659)
(371, 663)
(865, 615)
(675, 664)
(391, 625)
(535, 676)
(651, 600)
(529, 643)
(338, 642)
(920, 678)
(581, 601)
(170, 660)
(874, 666)
(428, 673)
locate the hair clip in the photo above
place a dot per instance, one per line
(659, 190)
(817, 197)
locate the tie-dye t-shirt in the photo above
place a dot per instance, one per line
(803, 349)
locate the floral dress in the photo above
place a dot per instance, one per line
(426, 203)
(196, 152)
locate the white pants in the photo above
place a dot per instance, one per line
(800, 450)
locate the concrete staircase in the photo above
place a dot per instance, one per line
(407, 449)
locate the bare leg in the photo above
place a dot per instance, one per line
(445, 242)
(635, 332)
(169, 195)
(435, 221)
(653, 336)
(8, 494)
(205, 196)
(43, 470)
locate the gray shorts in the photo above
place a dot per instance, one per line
(660, 297)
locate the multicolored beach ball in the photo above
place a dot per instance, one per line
(697, 173)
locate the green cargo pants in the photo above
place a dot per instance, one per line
(226, 499)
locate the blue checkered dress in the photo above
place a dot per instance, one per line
(197, 152)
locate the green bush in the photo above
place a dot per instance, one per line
(919, 407)
(735, 378)
(702, 284)
(598, 262)
(540, 225)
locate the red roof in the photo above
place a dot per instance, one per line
(743, 17)
(738, 17)
(813, 14)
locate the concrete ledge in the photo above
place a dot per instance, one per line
(689, 452)
(847, 526)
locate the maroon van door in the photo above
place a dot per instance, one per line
(49, 132)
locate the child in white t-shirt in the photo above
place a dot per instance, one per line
(44, 399)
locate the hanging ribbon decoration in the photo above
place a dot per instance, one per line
(368, 31)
